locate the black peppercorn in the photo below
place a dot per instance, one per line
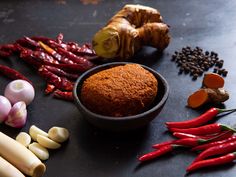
(195, 61)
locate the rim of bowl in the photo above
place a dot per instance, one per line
(113, 64)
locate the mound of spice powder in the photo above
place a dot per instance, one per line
(195, 61)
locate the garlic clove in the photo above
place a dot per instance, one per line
(58, 134)
(47, 143)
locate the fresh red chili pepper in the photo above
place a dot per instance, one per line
(216, 137)
(156, 146)
(50, 88)
(198, 121)
(12, 73)
(212, 162)
(157, 153)
(187, 138)
(223, 135)
(215, 143)
(186, 135)
(68, 96)
(60, 82)
(217, 150)
(189, 142)
(60, 72)
(204, 130)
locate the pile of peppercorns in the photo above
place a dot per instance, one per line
(195, 61)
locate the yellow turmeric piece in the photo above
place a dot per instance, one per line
(213, 80)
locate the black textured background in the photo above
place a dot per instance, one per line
(93, 153)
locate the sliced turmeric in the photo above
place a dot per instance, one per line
(207, 95)
(198, 98)
(128, 30)
(213, 80)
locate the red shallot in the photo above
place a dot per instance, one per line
(5, 107)
(19, 90)
(17, 115)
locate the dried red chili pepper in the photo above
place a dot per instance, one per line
(76, 59)
(200, 120)
(60, 72)
(50, 88)
(50, 51)
(8, 48)
(27, 56)
(36, 57)
(55, 45)
(44, 57)
(59, 38)
(55, 54)
(5, 54)
(28, 41)
(217, 150)
(85, 49)
(215, 143)
(41, 38)
(157, 153)
(60, 82)
(71, 68)
(12, 73)
(63, 95)
(204, 130)
(212, 162)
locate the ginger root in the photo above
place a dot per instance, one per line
(212, 91)
(130, 29)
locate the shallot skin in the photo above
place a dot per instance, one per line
(19, 90)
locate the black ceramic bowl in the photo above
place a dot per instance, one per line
(121, 123)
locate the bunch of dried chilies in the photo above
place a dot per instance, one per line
(215, 141)
(60, 63)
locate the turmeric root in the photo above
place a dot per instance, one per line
(213, 80)
(207, 95)
(130, 29)
(198, 98)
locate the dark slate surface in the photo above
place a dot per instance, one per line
(93, 153)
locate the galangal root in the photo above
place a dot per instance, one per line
(130, 29)
(212, 91)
